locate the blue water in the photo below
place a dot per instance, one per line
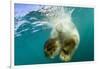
(29, 47)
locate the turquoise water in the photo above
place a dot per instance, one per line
(29, 47)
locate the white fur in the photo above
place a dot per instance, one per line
(63, 28)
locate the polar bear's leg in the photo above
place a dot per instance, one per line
(51, 48)
(68, 49)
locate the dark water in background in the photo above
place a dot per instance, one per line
(29, 48)
(84, 20)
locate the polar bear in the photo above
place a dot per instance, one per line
(64, 38)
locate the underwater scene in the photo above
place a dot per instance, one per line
(52, 34)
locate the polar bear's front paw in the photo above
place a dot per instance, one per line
(51, 48)
(67, 49)
(64, 56)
